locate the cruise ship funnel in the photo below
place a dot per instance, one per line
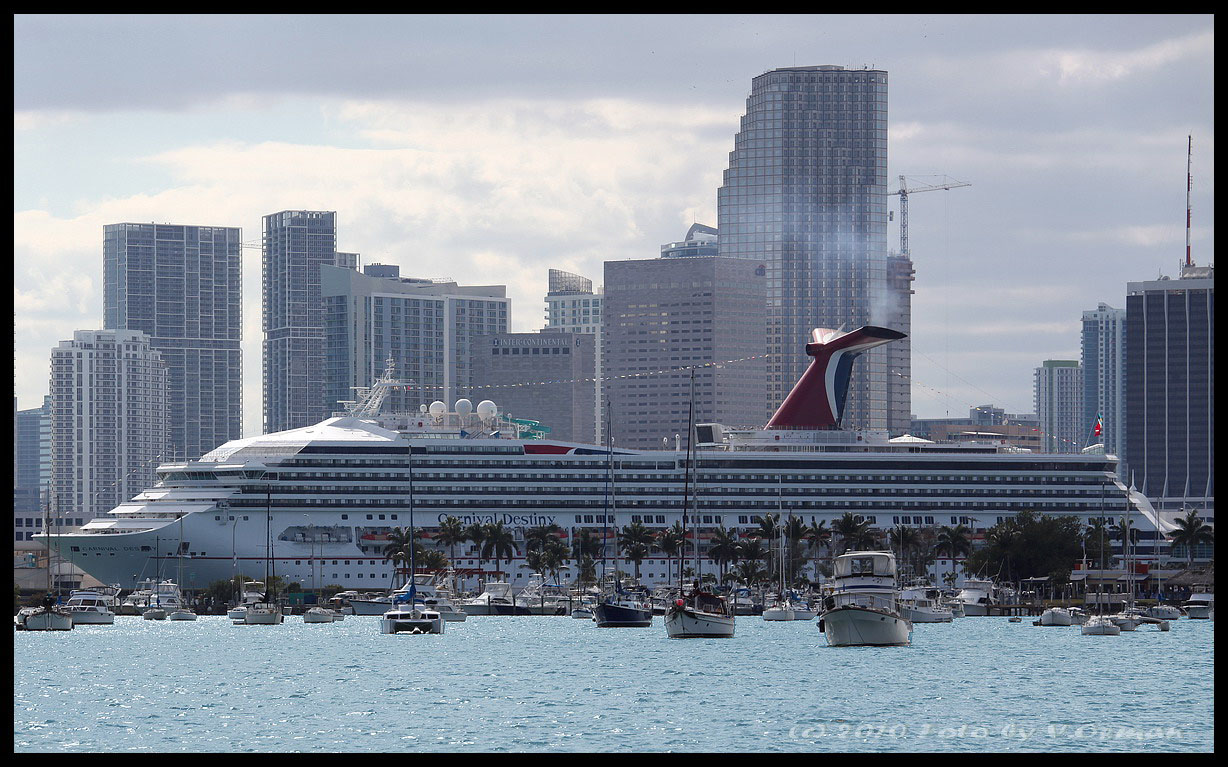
(817, 399)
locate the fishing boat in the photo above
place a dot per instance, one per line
(864, 608)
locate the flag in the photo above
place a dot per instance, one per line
(1099, 425)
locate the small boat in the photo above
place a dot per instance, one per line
(1164, 612)
(863, 610)
(251, 592)
(699, 615)
(88, 607)
(1200, 605)
(154, 613)
(49, 616)
(496, 599)
(922, 603)
(181, 614)
(263, 614)
(778, 609)
(624, 608)
(319, 615)
(1100, 625)
(1056, 616)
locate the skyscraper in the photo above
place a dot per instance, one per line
(1104, 373)
(110, 420)
(426, 326)
(181, 285)
(664, 316)
(1169, 449)
(31, 466)
(296, 244)
(573, 306)
(1058, 388)
(806, 195)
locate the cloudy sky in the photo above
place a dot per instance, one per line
(490, 149)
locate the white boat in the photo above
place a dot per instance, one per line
(495, 599)
(48, 617)
(263, 614)
(1200, 605)
(319, 615)
(1164, 612)
(250, 593)
(781, 606)
(1100, 625)
(922, 603)
(154, 613)
(429, 590)
(340, 603)
(1056, 616)
(411, 619)
(863, 610)
(88, 607)
(742, 602)
(1077, 615)
(699, 615)
(802, 611)
(976, 597)
(181, 611)
(181, 614)
(779, 609)
(541, 598)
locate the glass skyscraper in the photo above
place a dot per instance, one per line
(296, 244)
(1169, 447)
(806, 194)
(181, 286)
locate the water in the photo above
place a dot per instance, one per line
(561, 684)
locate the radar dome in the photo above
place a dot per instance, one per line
(487, 410)
(464, 407)
(422, 408)
(438, 408)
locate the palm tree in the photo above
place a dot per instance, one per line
(750, 571)
(554, 554)
(476, 534)
(398, 548)
(768, 530)
(902, 539)
(954, 541)
(795, 530)
(536, 537)
(819, 536)
(499, 543)
(724, 548)
(750, 550)
(670, 541)
(635, 552)
(1123, 529)
(636, 543)
(451, 532)
(1192, 531)
(587, 544)
(432, 559)
(587, 570)
(851, 530)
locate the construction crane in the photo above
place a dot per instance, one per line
(904, 191)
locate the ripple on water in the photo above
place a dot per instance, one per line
(531, 684)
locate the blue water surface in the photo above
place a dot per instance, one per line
(562, 684)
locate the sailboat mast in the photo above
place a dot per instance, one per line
(409, 452)
(609, 480)
(686, 483)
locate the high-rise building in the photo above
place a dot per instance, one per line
(31, 467)
(296, 244)
(1169, 446)
(1058, 387)
(544, 377)
(181, 286)
(700, 240)
(110, 421)
(425, 326)
(1104, 376)
(664, 317)
(573, 306)
(805, 194)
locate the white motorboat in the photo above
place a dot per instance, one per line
(154, 613)
(922, 603)
(416, 619)
(1100, 625)
(541, 598)
(864, 610)
(88, 607)
(181, 614)
(976, 597)
(779, 609)
(802, 611)
(496, 599)
(1200, 605)
(700, 614)
(340, 603)
(1056, 616)
(319, 615)
(1164, 612)
(251, 592)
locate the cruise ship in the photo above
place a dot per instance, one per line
(327, 495)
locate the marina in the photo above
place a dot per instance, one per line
(529, 683)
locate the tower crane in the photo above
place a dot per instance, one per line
(904, 191)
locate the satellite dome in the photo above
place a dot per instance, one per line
(422, 408)
(464, 407)
(438, 408)
(487, 410)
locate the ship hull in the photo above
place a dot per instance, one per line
(854, 627)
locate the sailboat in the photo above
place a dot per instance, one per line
(266, 612)
(618, 608)
(155, 611)
(699, 613)
(408, 613)
(782, 608)
(1100, 624)
(317, 614)
(48, 616)
(181, 612)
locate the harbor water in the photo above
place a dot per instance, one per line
(562, 684)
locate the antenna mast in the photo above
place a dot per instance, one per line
(1189, 184)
